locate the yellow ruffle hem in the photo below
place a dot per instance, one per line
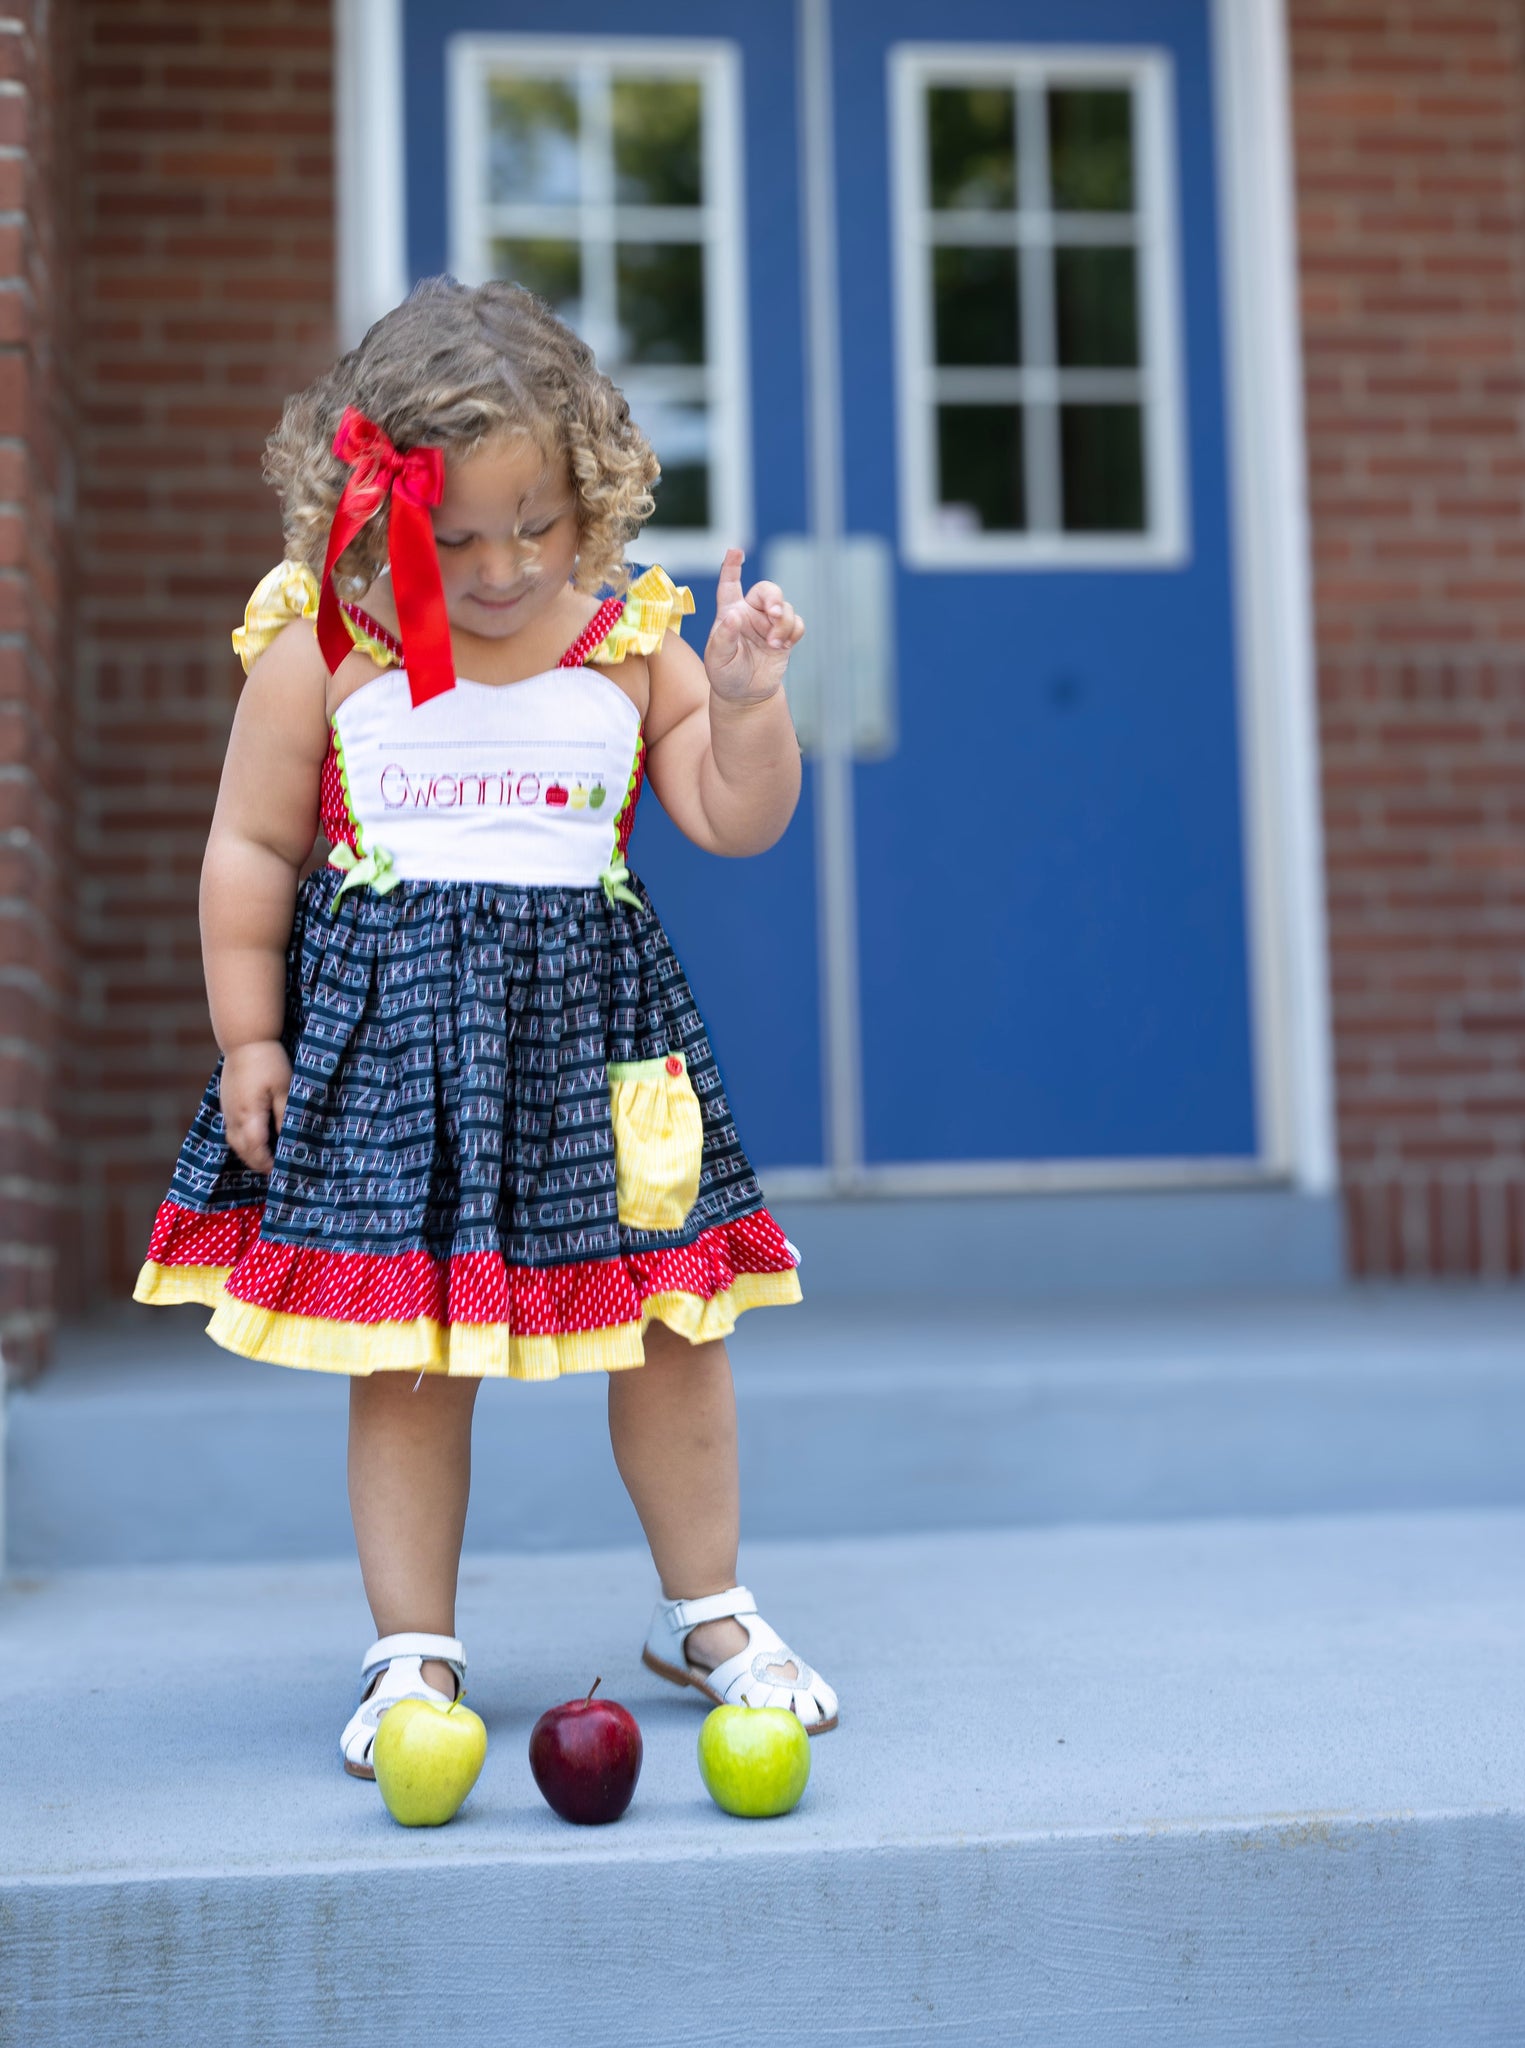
(459, 1350)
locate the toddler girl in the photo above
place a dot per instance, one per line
(467, 1121)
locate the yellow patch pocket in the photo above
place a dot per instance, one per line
(658, 1142)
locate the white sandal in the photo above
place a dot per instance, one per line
(400, 1660)
(747, 1678)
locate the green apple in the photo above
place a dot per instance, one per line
(596, 796)
(755, 1761)
(427, 1758)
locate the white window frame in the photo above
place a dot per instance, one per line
(1157, 384)
(723, 380)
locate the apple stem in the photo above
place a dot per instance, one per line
(593, 1688)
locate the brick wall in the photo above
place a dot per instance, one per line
(1410, 127)
(35, 780)
(206, 263)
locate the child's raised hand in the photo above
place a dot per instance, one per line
(255, 1079)
(752, 637)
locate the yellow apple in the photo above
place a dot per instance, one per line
(427, 1758)
(755, 1761)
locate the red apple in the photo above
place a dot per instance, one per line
(555, 794)
(586, 1757)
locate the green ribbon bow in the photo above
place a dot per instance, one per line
(376, 870)
(614, 878)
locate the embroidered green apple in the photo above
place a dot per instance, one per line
(596, 797)
(755, 1761)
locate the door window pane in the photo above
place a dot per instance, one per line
(551, 269)
(657, 154)
(660, 296)
(1096, 308)
(974, 305)
(980, 488)
(972, 144)
(1103, 462)
(682, 433)
(532, 141)
(1090, 145)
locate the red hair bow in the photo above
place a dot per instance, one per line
(412, 482)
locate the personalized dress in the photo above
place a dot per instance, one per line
(506, 1148)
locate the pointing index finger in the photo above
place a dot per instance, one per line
(728, 590)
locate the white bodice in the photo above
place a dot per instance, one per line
(517, 783)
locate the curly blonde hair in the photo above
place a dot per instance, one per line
(449, 368)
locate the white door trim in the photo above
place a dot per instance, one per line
(1273, 608)
(370, 240)
(832, 762)
(1268, 497)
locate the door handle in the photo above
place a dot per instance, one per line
(854, 573)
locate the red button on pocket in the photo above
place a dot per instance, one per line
(674, 1064)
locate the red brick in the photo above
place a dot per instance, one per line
(196, 135)
(1408, 454)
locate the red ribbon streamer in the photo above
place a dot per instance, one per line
(412, 482)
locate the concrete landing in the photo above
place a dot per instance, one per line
(146, 1444)
(1237, 1782)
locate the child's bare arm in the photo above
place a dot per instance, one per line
(262, 832)
(721, 750)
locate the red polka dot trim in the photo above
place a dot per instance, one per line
(477, 1287)
(374, 630)
(338, 826)
(602, 623)
(182, 1237)
(624, 824)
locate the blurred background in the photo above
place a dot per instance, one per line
(1132, 860)
(1137, 419)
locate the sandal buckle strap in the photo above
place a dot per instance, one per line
(682, 1615)
(440, 1649)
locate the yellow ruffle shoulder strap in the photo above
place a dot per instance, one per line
(291, 592)
(653, 606)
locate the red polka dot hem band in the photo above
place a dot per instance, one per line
(473, 1314)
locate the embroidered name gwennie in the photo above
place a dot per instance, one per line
(401, 791)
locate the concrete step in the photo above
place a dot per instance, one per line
(146, 1444)
(1232, 1782)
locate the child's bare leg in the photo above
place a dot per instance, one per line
(409, 1475)
(672, 1423)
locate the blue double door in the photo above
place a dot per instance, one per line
(1009, 919)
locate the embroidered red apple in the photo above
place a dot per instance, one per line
(555, 795)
